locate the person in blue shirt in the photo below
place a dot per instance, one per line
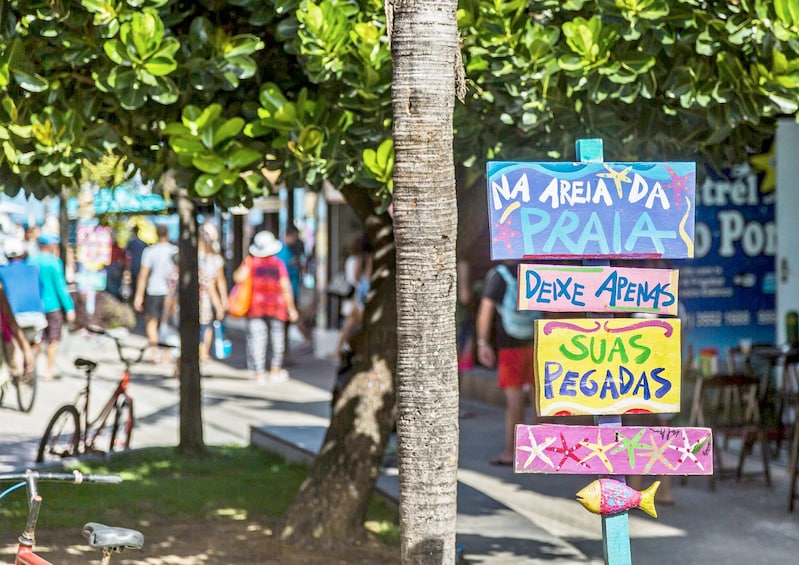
(293, 256)
(58, 304)
(23, 288)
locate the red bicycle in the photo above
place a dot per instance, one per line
(108, 539)
(71, 432)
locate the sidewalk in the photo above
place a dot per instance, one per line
(503, 518)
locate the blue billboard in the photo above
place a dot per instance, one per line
(728, 289)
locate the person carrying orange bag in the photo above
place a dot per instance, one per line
(271, 304)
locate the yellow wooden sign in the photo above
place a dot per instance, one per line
(607, 366)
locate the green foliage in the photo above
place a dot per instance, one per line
(108, 74)
(142, 57)
(654, 79)
(110, 170)
(380, 166)
(207, 142)
(321, 131)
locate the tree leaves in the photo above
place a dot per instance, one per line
(207, 141)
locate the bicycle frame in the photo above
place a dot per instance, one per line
(93, 428)
(25, 552)
(72, 430)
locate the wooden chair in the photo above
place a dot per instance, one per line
(728, 403)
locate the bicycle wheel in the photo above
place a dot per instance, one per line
(26, 391)
(123, 426)
(62, 436)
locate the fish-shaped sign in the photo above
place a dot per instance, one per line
(609, 496)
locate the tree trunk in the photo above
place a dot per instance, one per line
(330, 507)
(424, 54)
(63, 224)
(191, 422)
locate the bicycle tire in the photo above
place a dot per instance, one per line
(26, 391)
(123, 426)
(62, 436)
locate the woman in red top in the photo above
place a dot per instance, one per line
(272, 304)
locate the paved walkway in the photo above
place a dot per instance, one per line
(503, 518)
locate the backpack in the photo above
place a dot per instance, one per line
(517, 324)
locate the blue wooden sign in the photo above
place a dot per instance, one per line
(591, 210)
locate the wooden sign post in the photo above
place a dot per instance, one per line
(601, 366)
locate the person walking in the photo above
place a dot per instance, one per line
(133, 251)
(358, 272)
(58, 304)
(213, 291)
(271, 305)
(23, 289)
(293, 256)
(12, 333)
(152, 286)
(510, 351)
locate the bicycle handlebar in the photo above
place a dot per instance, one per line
(118, 339)
(75, 477)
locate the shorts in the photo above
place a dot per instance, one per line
(55, 320)
(515, 367)
(153, 305)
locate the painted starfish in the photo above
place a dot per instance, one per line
(679, 184)
(688, 450)
(631, 445)
(568, 453)
(536, 450)
(599, 450)
(505, 234)
(618, 177)
(657, 454)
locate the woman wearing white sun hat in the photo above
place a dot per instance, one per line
(272, 304)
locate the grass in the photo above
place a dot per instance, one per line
(159, 484)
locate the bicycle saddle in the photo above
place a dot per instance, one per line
(112, 537)
(80, 362)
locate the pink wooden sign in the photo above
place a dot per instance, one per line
(613, 450)
(563, 288)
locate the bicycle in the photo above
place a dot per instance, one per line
(70, 432)
(109, 539)
(25, 387)
(24, 384)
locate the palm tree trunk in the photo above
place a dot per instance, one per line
(424, 52)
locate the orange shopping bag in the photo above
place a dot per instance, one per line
(240, 296)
